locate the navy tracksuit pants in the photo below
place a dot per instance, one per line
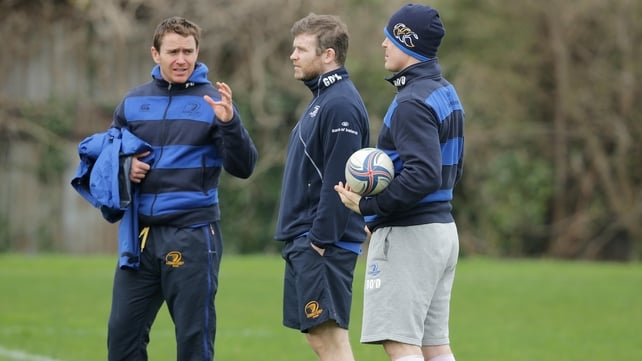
(178, 266)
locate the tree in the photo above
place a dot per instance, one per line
(549, 89)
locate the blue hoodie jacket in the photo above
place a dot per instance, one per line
(423, 133)
(334, 125)
(102, 179)
(191, 147)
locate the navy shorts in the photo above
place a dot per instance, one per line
(316, 288)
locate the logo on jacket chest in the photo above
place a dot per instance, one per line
(313, 113)
(345, 127)
(192, 108)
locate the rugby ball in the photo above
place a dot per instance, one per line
(369, 171)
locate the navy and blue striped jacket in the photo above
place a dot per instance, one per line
(423, 133)
(191, 147)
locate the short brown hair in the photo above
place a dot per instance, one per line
(330, 31)
(178, 25)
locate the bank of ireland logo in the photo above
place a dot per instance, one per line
(405, 35)
(174, 259)
(313, 309)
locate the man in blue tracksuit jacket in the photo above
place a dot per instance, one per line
(322, 238)
(195, 131)
(414, 246)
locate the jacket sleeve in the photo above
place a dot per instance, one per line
(118, 118)
(239, 152)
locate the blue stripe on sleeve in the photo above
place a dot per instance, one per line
(445, 101)
(451, 151)
(439, 196)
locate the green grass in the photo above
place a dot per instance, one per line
(520, 310)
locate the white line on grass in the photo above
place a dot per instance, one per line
(23, 356)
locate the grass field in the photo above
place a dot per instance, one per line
(55, 308)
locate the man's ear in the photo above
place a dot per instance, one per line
(329, 56)
(155, 55)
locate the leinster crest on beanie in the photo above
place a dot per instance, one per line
(417, 30)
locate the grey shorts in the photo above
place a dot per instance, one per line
(409, 278)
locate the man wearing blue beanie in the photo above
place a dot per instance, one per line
(414, 244)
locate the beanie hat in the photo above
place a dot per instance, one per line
(416, 30)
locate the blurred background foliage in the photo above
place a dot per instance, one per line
(550, 89)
